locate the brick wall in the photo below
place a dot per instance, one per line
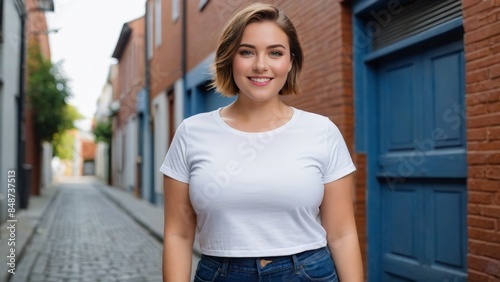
(88, 148)
(165, 65)
(205, 26)
(36, 27)
(482, 55)
(131, 71)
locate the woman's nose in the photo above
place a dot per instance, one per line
(260, 64)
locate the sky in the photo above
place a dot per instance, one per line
(87, 36)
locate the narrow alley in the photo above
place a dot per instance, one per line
(86, 237)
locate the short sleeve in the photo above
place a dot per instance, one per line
(339, 163)
(175, 164)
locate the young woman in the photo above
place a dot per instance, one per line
(254, 177)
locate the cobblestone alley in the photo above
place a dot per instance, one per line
(85, 237)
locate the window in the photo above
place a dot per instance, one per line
(202, 4)
(175, 10)
(149, 31)
(157, 23)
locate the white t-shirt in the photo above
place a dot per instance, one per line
(258, 194)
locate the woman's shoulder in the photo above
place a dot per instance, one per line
(318, 124)
(196, 119)
(314, 118)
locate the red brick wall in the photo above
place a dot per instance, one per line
(88, 148)
(204, 26)
(131, 71)
(482, 55)
(36, 27)
(165, 65)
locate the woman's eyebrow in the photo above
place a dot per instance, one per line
(268, 47)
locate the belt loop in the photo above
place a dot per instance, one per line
(296, 264)
(225, 264)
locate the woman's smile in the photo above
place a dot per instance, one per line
(260, 81)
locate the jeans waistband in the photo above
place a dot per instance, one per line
(263, 264)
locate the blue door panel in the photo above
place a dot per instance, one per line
(398, 83)
(401, 221)
(447, 228)
(445, 96)
(422, 166)
(447, 240)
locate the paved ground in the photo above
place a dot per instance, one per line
(85, 237)
(27, 222)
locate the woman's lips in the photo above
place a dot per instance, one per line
(260, 81)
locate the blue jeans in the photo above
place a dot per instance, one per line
(314, 265)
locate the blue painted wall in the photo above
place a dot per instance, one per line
(198, 97)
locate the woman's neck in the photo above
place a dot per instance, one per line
(249, 115)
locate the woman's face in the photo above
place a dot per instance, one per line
(262, 61)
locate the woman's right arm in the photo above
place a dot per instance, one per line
(179, 231)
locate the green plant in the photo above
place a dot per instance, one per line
(47, 92)
(64, 144)
(103, 131)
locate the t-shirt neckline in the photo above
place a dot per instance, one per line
(226, 127)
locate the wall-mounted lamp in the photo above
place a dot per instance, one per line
(114, 108)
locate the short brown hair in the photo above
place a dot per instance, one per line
(230, 39)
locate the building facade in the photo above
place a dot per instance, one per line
(414, 87)
(128, 84)
(10, 66)
(102, 115)
(36, 33)
(21, 22)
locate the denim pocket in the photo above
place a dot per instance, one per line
(206, 273)
(321, 269)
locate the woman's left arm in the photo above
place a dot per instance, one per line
(337, 217)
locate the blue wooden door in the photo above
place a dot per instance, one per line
(214, 100)
(422, 167)
(201, 99)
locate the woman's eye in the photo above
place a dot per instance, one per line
(276, 54)
(245, 53)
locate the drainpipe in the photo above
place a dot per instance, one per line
(147, 116)
(23, 200)
(184, 49)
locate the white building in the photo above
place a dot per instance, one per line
(10, 46)
(103, 113)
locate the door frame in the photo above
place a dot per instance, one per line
(366, 106)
